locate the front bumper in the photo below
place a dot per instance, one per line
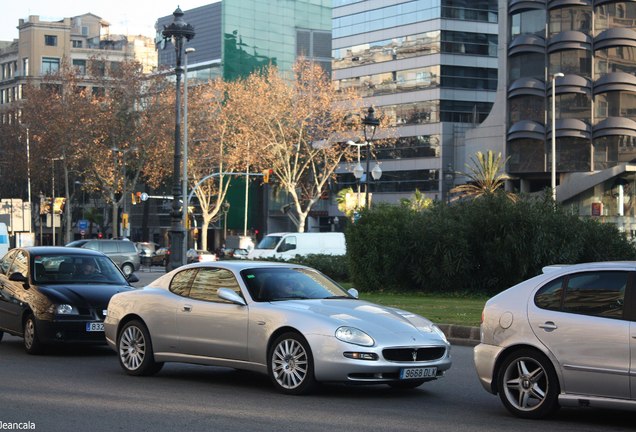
(68, 331)
(331, 365)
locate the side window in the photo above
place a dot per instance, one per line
(550, 295)
(289, 243)
(20, 264)
(127, 247)
(208, 281)
(180, 284)
(92, 245)
(5, 263)
(109, 247)
(596, 293)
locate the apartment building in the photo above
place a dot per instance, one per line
(582, 52)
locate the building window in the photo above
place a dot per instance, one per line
(615, 104)
(526, 156)
(50, 40)
(614, 15)
(571, 62)
(80, 66)
(615, 59)
(528, 22)
(577, 18)
(526, 107)
(25, 66)
(77, 44)
(530, 65)
(50, 65)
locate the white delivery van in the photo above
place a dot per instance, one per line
(4, 239)
(288, 245)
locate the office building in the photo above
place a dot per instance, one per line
(592, 45)
(431, 67)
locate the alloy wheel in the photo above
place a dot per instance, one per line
(132, 348)
(290, 364)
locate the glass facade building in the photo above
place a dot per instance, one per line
(592, 43)
(430, 67)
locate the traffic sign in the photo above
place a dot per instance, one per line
(144, 196)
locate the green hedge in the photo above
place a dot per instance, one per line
(485, 245)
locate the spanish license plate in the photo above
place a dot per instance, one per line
(95, 327)
(418, 373)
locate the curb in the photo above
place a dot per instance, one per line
(461, 335)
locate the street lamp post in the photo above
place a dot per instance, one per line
(177, 31)
(53, 195)
(553, 170)
(185, 150)
(371, 124)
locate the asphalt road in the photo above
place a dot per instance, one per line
(84, 389)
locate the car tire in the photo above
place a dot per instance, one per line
(32, 344)
(291, 365)
(528, 385)
(127, 269)
(134, 349)
(406, 384)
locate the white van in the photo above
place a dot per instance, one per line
(288, 245)
(4, 239)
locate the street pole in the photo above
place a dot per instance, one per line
(184, 187)
(553, 170)
(178, 30)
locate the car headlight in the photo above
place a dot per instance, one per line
(64, 309)
(354, 336)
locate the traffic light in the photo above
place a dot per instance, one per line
(135, 197)
(266, 174)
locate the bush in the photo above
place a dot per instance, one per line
(334, 266)
(481, 246)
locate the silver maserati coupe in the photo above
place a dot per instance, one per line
(287, 321)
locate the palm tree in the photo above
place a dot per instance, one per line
(486, 177)
(417, 202)
(341, 199)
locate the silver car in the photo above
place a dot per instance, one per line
(287, 321)
(564, 338)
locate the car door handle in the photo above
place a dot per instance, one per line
(187, 308)
(549, 326)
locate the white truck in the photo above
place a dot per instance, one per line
(288, 245)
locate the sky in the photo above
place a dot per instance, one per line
(125, 16)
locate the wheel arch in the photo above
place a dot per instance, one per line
(514, 348)
(128, 318)
(280, 331)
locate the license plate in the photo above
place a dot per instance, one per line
(416, 373)
(95, 327)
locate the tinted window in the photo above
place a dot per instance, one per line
(6, 261)
(591, 293)
(208, 281)
(550, 295)
(180, 284)
(126, 246)
(20, 264)
(108, 247)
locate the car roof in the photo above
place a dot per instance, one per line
(238, 265)
(567, 268)
(60, 250)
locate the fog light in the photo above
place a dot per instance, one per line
(361, 355)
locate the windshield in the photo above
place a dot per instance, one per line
(69, 268)
(268, 242)
(272, 284)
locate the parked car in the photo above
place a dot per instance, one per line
(57, 295)
(232, 253)
(287, 321)
(123, 252)
(199, 255)
(161, 256)
(563, 338)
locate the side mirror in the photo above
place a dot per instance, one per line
(19, 277)
(353, 292)
(132, 278)
(231, 296)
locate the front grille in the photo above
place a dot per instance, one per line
(407, 354)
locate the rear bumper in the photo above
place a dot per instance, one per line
(485, 358)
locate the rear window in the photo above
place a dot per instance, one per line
(269, 242)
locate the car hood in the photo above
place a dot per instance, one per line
(82, 295)
(366, 316)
